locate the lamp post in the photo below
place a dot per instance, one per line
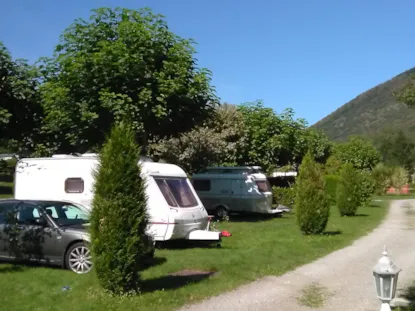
(386, 278)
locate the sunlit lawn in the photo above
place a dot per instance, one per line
(256, 249)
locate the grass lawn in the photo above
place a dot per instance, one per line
(256, 249)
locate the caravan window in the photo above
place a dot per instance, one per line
(263, 185)
(74, 185)
(201, 184)
(177, 192)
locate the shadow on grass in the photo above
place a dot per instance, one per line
(185, 244)
(253, 217)
(356, 215)
(332, 233)
(8, 268)
(171, 282)
(409, 294)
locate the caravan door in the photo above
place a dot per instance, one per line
(238, 198)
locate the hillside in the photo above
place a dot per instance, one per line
(370, 112)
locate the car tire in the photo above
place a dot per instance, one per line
(78, 258)
(221, 213)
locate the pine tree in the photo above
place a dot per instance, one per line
(119, 217)
(311, 203)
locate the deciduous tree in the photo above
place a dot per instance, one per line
(122, 64)
(20, 111)
(358, 151)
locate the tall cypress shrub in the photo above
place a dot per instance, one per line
(311, 202)
(119, 217)
(348, 191)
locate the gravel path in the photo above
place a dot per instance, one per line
(340, 281)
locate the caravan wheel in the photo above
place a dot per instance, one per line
(221, 212)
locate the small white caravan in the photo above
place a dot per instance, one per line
(175, 210)
(242, 189)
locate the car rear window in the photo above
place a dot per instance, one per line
(263, 185)
(177, 192)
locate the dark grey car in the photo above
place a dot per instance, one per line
(52, 232)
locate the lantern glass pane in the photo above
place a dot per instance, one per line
(387, 287)
(377, 284)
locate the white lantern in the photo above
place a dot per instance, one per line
(386, 278)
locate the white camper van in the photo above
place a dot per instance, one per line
(175, 210)
(242, 189)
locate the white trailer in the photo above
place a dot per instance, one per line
(175, 209)
(242, 189)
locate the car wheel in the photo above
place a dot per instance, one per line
(221, 212)
(79, 258)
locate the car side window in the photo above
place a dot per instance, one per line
(6, 211)
(27, 214)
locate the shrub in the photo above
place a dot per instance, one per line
(311, 202)
(332, 165)
(366, 186)
(399, 178)
(284, 196)
(119, 217)
(382, 175)
(331, 187)
(348, 198)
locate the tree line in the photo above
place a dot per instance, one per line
(126, 65)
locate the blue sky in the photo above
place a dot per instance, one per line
(312, 56)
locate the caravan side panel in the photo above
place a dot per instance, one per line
(55, 179)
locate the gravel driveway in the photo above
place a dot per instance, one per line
(340, 281)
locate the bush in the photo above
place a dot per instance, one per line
(382, 175)
(348, 198)
(119, 217)
(366, 186)
(311, 202)
(399, 178)
(331, 187)
(284, 196)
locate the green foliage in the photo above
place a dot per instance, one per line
(382, 175)
(350, 193)
(331, 187)
(399, 178)
(20, 111)
(367, 186)
(358, 151)
(372, 111)
(332, 166)
(119, 215)
(122, 64)
(406, 95)
(397, 148)
(217, 142)
(311, 202)
(284, 196)
(273, 140)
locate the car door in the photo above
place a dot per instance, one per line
(6, 212)
(35, 238)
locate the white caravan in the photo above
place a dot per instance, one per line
(175, 210)
(243, 189)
